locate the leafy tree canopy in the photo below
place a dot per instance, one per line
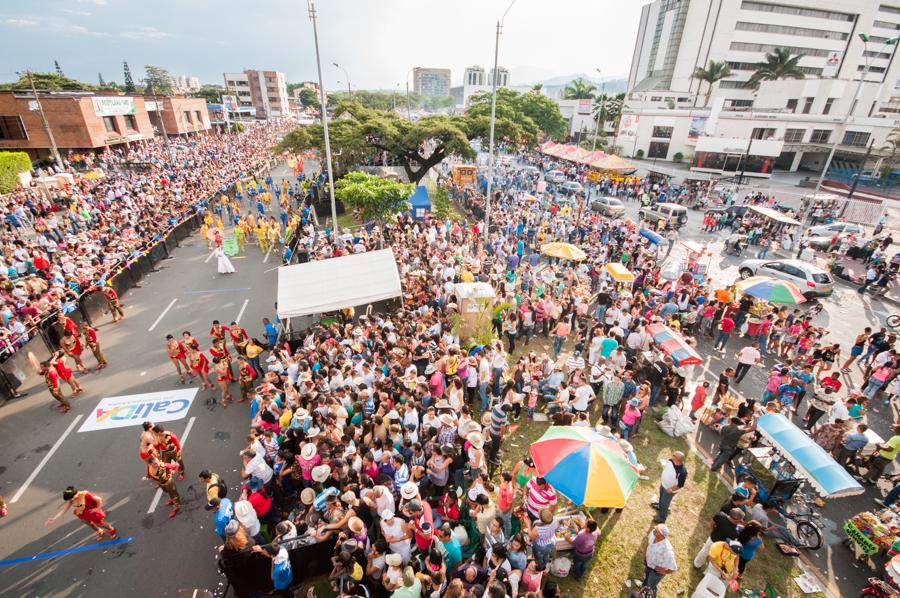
(211, 93)
(158, 80)
(50, 81)
(375, 197)
(11, 164)
(308, 97)
(535, 113)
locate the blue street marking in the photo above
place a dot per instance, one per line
(235, 290)
(50, 555)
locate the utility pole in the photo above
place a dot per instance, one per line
(602, 114)
(408, 116)
(40, 107)
(162, 123)
(490, 180)
(861, 168)
(312, 17)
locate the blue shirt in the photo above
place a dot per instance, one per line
(271, 333)
(607, 346)
(855, 441)
(454, 551)
(787, 393)
(224, 515)
(282, 576)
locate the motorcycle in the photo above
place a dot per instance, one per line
(879, 589)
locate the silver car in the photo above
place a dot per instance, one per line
(820, 236)
(810, 279)
(570, 187)
(608, 206)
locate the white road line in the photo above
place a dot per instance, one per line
(270, 269)
(158, 495)
(209, 257)
(46, 458)
(269, 252)
(237, 320)
(163, 314)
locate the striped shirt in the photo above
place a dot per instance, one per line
(546, 533)
(537, 498)
(498, 420)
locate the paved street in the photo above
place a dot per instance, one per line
(162, 555)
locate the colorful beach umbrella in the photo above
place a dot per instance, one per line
(673, 344)
(585, 467)
(565, 251)
(771, 290)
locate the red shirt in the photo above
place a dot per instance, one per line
(727, 324)
(260, 502)
(831, 383)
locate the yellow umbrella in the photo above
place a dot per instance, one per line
(565, 251)
(92, 175)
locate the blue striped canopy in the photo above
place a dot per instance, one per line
(828, 477)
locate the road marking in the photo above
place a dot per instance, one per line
(46, 458)
(56, 553)
(210, 291)
(209, 257)
(163, 314)
(269, 252)
(237, 320)
(184, 436)
(270, 269)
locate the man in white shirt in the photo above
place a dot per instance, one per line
(255, 466)
(747, 358)
(584, 394)
(659, 558)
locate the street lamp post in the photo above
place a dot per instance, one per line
(602, 114)
(346, 74)
(865, 39)
(490, 180)
(408, 117)
(40, 107)
(311, 7)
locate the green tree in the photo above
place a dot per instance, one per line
(537, 87)
(375, 198)
(714, 72)
(308, 97)
(48, 81)
(58, 69)
(11, 164)
(779, 64)
(534, 113)
(579, 89)
(607, 107)
(211, 93)
(129, 81)
(358, 134)
(892, 147)
(158, 81)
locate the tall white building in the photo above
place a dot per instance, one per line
(474, 75)
(669, 111)
(476, 80)
(502, 77)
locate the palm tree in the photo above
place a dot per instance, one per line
(714, 71)
(579, 89)
(537, 87)
(892, 147)
(607, 107)
(780, 64)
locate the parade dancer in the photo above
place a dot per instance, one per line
(178, 356)
(148, 442)
(51, 377)
(90, 339)
(246, 376)
(169, 448)
(223, 378)
(219, 350)
(200, 364)
(58, 361)
(112, 301)
(85, 506)
(71, 345)
(239, 338)
(161, 473)
(218, 332)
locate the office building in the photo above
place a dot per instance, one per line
(265, 91)
(786, 124)
(431, 82)
(502, 77)
(474, 76)
(185, 83)
(83, 121)
(475, 80)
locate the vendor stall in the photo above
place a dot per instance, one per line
(697, 260)
(673, 344)
(621, 276)
(873, 532)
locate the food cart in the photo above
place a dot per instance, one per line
(874, 532)
(623, 279)
(697, 260)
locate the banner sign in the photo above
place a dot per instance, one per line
(628, 125)
(112, 105)
(860, 539)
(132, 410)
(698, 127)
(230, 246)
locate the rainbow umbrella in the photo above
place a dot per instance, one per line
(673, 345)
(771, 290)
(585, 467)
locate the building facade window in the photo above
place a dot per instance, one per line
(736, 85)
(887, 25)
(856, 138)
(762, 133)
(807, 105)
(12, 127)
(794, 135)
(199, 116)
(187, 116)
(752, 66)
(751, 47)
(820, 136)
(110, 123)
(788, 30)
(131, 122)
(889, 9)
(740, 103)
(874, 54)
(796, 10)
(658, 149)
(663, 132)
(791, 105)
(871, 69)
(826, 109)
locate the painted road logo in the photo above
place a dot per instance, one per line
(131, 410)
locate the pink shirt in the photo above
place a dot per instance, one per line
(505, 495)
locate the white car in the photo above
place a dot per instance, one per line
(820, 236)
(608, 206)
(811, 280)
(571, 188)
(555, 176)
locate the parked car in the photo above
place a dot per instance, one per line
(530, 170)
(555, 176)
(820, 236)
(810, 279)
(608, 206)
(671, 215)
(571, 188)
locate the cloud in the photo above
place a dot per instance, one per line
(81, 30)
(145, 34)
(77, 13)
(20, 22)
(94, 2)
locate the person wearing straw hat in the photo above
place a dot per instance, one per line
(475, 454)
(393, 575)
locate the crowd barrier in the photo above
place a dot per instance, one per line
(15, 368)
(249, 575)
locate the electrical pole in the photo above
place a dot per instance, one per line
(162, 123)
(602, 114)
(312, 17)
(40, 107)
(861, 168)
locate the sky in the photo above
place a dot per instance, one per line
(376, 41)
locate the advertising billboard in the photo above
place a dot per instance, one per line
(112, 105)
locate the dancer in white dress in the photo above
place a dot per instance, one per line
(225, 266)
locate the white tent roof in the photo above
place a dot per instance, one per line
(328, 285)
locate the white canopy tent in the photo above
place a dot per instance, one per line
(329, 285)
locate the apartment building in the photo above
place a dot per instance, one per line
(265, 91)
(847, 49)
(431, 82)
(477, 80)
